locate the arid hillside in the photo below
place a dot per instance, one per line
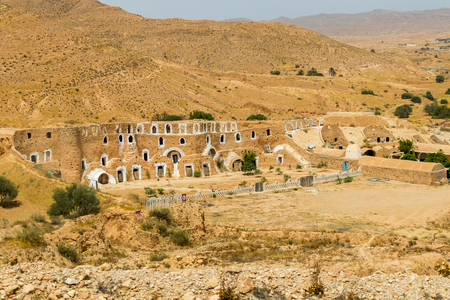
(374, 23)
(81, 61)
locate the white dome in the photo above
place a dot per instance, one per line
(353, 151)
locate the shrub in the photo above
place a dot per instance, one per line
(270, 168)
(172, 118)
(38, 218)
(367, 92)
(162, 214)
(243, 183)
(408, 156)
(8, 191)
(275, 72)
(429, 96)
(438, 157)
(77, 198)
(313, 72)
(440, 79)
(444, 101)
(407, 96)
(55, 220)
(147, 225)
(443, 269)
(249, 161)
(298, 167)
(377, 113)
(286, 177)
(160, 191)
(258, 117)
(430, 108)
(447, 92)
(338, 181)
(196, 114)
(416, 99)
(403, 111)
(149, 192)
(322, 164)
(158, 256)
(300, 73)
(32, 235)
(197, 174)
(405, 145)
(278, 170)
(179, 237)
(68, 252)
(161, 228)
(258, 172)
(348, 179)
(263, 179)
(441, 112)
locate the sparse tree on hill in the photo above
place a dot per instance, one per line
(8, 191)
(440, 79)
(405, 145)
(403, 111)
(77, 198)
(430, 108)
(332, 72)
(249, 162)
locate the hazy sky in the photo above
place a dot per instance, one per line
(264, 9)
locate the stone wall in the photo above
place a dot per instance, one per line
(378, 134)
(333, 135)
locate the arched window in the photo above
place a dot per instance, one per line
(253, 135)
(154, 129)
(120, 138)
(130, 139)
(104, 160)
(182, 141)
(208, 140)
(161, 142)
(238, 137)
(335, 139)
(168, 128)
(105, 140)
(49, 135)
(387, 139)
(129, 129)
(222, 138)
(378, 140)
(145, 155)
(268, 132)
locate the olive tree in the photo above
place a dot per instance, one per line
(8, 191)
(78, 198)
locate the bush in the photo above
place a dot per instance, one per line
(160, 191)
(377, 113)
(179, 237)
(158, 256)
(348, 179)
(322, 164)
(38, 218)
(196, 114)
(249, 161)
(443, 269)
(258, 172)
(257, 117)
(161, 228)
(313, 72)
(286, 177)
(403, 111)
(197, 174)
(162, 214)
(407, 96)
(298, 167)
(32, 235)
(367, 92)
(75, 198)
(275, 72)
(430, 108)
(149, 192)
(444, 101)
(147, 225)
(441, 112)
(416, 99)
(429, 96)
(8, 191)
(440, 79)
(338, 181)
(447, 92)
(270, 168)
(55, 220)
(264, 180)
(438, 157)
(68, 252)
(408, 156)
(172, 118)
(405, 145)
(301, 73)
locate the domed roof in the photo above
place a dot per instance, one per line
(353, 147)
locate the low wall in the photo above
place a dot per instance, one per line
(333, 162)
(413, 176)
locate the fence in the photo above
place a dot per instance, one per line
(302, 181)
(334, 177)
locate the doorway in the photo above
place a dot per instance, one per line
(120, 176)
(206, 170)
(160, 171)
(189, 171)
(103, 179)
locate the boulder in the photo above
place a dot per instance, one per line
(245, 285)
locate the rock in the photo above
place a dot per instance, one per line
(188, 296)
(40, 276)
(214, 297)
(52, 297)
(11, 289)
(29, 288)
(105, 267)
(19, 297)
(213, 282)
(71, 293)
(71, 281)
(127, 284)
(245, 285)
(27, 298)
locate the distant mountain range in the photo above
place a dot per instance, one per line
(374, 23)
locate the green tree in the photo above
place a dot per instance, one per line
(149, 192)
(8, 191)
(447, 92)
(416, 99)
(332, 72)
(301, 73)
(441, 112)
(407, 96)
(405, 145)
(275, 72)
(440, 79)
(367, 92)
(429, 96)
(196, 114)
(444, 101)
(438, 157)
(430, 108)
(249, 161)
(74, 198)
(258, 117)
(408, 156)
(403, 111)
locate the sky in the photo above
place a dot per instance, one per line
(263, 9)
